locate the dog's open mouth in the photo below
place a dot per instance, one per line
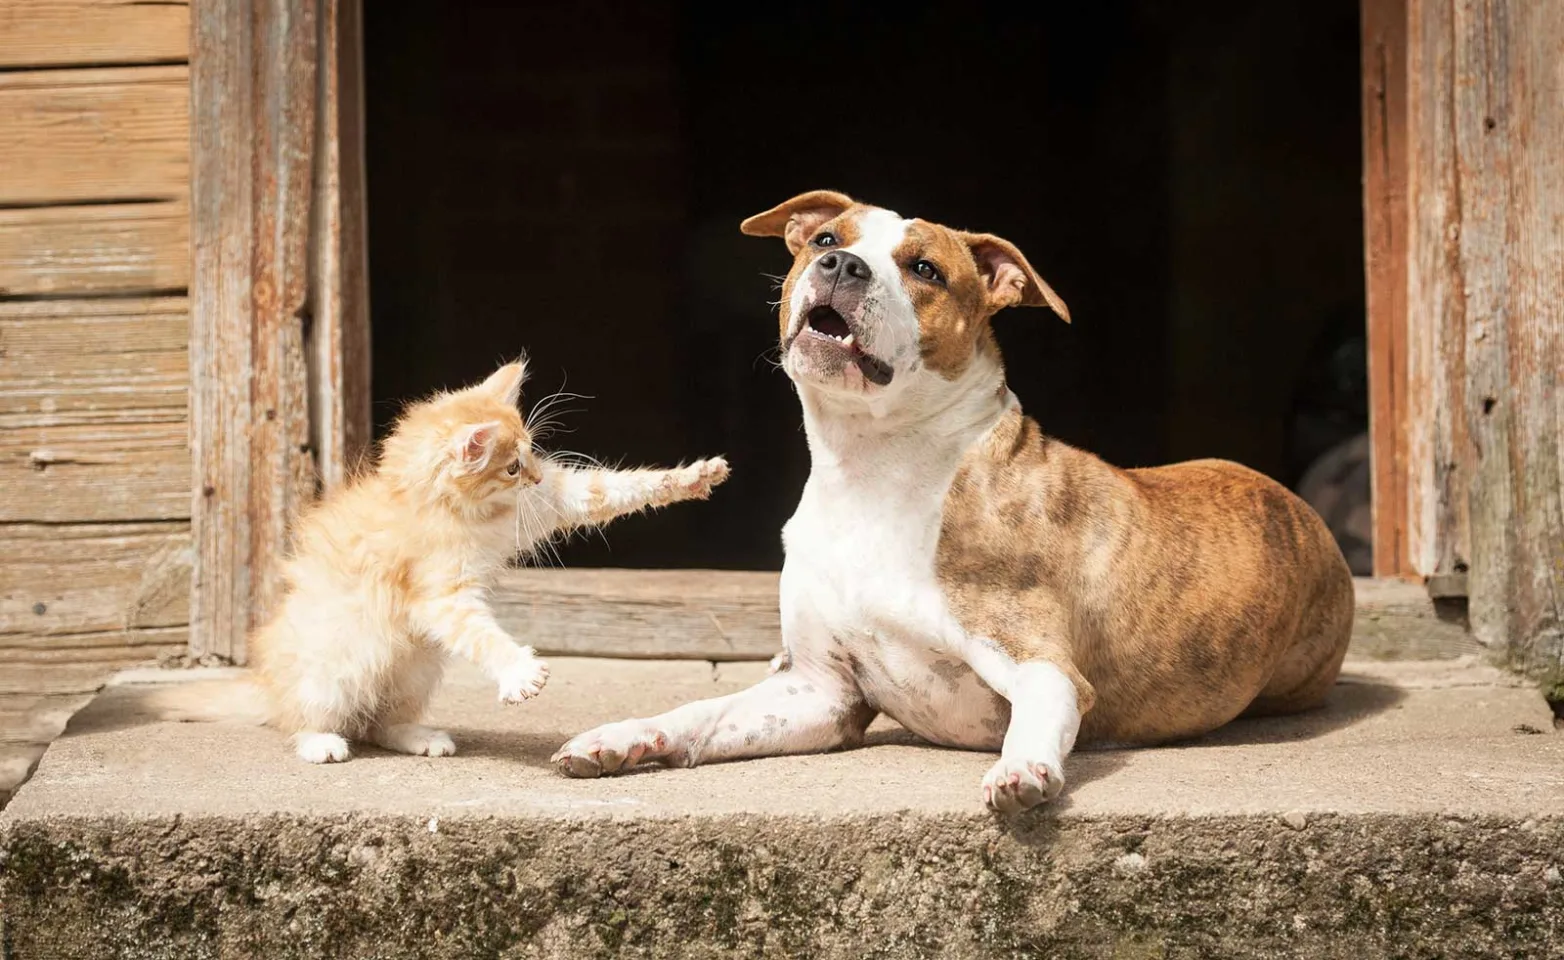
(826, 323)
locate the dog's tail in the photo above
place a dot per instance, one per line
(205, 701)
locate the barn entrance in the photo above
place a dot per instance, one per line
(568, 180)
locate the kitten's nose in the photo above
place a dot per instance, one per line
(532, 469)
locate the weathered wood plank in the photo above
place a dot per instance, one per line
(1507, 111)
(1488, 191)
(71, 579)
(1437, 537)
(85, 669)
(340, 415)
(59, 33)
(92, 135)
(85, 361)
(118, 248)
(646, 614)
(95, 472)
(253, 89)
(1385, 226)
(733, 615)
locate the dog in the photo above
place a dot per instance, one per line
(984, 585)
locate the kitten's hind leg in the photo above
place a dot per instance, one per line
(397, 728)
(594, 497)
(314, 747)
(415, 739)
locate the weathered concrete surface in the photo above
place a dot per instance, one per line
(1420, 815)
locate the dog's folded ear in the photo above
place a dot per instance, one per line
(1011, 280)
(796, 220)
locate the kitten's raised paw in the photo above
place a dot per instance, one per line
(610, 748)
(321, 747)
(696, 481)
(524, 679)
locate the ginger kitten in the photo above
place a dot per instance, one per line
(390, 575)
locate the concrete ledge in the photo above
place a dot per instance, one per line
(1420, 815)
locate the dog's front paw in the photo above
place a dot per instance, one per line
(1014, 784)
(610, 748)
(523, 679)
(696, 481)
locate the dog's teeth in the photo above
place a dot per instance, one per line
(847, 341)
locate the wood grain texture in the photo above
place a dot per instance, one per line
(675, 614)
(339, 349)
(1385, 226)
(66, 579)
(68, 362)
(120, 248)
(95, 135)
(69, 670)
(59, 33)
(732, 615)
(1488, 190)
(253, 88)
(96, 472)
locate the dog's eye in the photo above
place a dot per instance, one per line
(824, 238)
(514, 470)
(928, 271)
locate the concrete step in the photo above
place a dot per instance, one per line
(1421, 814)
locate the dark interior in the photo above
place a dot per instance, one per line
(567, 179)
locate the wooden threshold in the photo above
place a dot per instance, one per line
(725, 615)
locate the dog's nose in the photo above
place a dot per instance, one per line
(841, 266)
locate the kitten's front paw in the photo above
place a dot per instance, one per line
(1014, 784)
(321, 747)
(524, 679)
(696, 481)
(610, 748)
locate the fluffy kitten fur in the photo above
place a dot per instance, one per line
(390, 574)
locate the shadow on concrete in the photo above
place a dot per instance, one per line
(1355, 698)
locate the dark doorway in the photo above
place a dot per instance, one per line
(568, 180)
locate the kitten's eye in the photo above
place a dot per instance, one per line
(928, 271)
(514, 470)
(824, 238)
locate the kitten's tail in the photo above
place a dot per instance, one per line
(205, 701)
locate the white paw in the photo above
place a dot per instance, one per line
(695, 482)
(778, 662)
(439, 744)
(321, 748)
(523, 679)
(610, 748)
(419, 741)
(1013, 784)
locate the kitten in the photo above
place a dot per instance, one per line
(389, 575)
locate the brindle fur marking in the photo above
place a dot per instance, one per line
(1056, 555)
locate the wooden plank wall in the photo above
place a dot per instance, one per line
(94, 369)
(1486, 315)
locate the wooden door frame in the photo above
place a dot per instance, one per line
(279, 324)
(280, 358)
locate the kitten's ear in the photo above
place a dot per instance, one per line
(506, 382)
(475, 445)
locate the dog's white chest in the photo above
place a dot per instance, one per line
(859, 593)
